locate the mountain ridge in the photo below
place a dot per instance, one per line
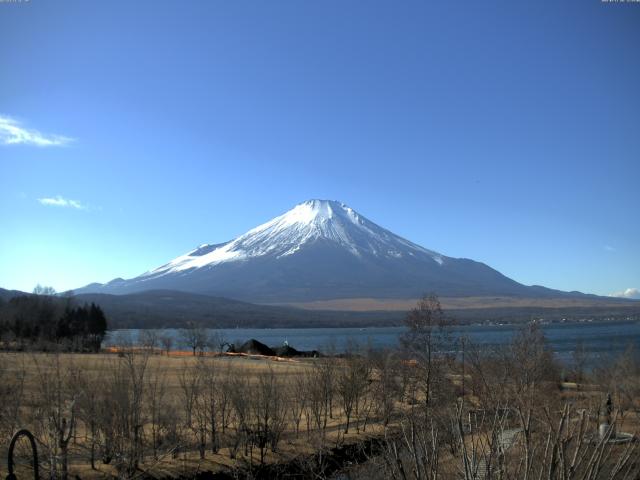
(322, 250)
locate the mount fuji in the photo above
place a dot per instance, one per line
(322, 250)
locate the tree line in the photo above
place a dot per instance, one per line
(44, 320)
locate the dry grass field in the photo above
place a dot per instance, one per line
(461, 303)
(137, 413)
(169, 406)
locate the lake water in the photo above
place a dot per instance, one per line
(599, 339)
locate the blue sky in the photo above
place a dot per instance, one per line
(506, 132)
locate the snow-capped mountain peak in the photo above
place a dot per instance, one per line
(318, 250)
(327, 221)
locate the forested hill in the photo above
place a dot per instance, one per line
(42, 320)
(173, 309)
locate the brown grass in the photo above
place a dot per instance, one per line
(172, 366)
(456, 303)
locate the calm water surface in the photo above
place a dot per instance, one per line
(599, 339)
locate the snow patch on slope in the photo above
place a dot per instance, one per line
(305, 223)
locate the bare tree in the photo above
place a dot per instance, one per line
(224, 395)
(531, 366)
(44, 290)
(211, 385)
(239, 396)
(386, 388)
(122, 411)
(167, 342)
(318, 386)
(415, 452)
(352, 381)
(55, 415)
(189, 380)
(203, 386)
(620, 378)
(195, 338)
(215, 341)
(267, 413)
(201, 409)
(89, 383)
(297, 400)
(426, 341)
(157, 408)
(149, 339)
(579, 364)
(12, 382)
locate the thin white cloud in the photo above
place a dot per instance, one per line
(628, 293)
(13, 133)
(59, 201)
(609, 248)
